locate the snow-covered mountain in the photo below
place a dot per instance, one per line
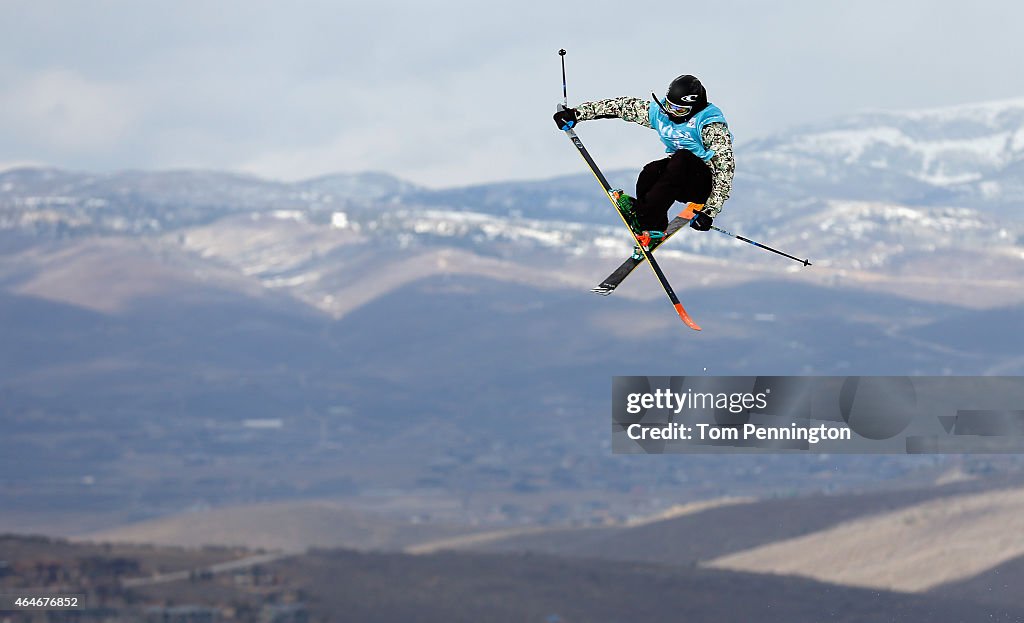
(908, 193)
(63, 202)
(970, 154)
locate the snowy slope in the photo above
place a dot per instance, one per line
(933, 156)
(875, 191)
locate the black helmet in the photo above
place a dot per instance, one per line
(685, 98)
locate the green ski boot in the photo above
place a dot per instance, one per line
(625, 204)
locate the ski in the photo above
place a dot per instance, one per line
(685, 317)
(613, 280)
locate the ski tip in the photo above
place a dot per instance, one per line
(603, 291)
(690, 209)
(686, 317)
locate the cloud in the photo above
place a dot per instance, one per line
(453, 92)
(65, 112)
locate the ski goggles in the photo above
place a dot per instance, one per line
(679, 110)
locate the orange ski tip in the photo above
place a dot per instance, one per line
(686, 317)
(690, 209)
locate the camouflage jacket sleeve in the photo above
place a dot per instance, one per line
(628, 108)
(723, 166)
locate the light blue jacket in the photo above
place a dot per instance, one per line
(687, 135)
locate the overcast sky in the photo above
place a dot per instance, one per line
(460, 92)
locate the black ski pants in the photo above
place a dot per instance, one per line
(681, 177)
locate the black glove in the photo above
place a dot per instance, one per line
(701, 221)
(566, 119)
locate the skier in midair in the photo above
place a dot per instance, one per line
(700, 165)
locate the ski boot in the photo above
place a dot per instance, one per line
(645, 240)
(627, 208)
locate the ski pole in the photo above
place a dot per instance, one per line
(763, 246)
(565, 93)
